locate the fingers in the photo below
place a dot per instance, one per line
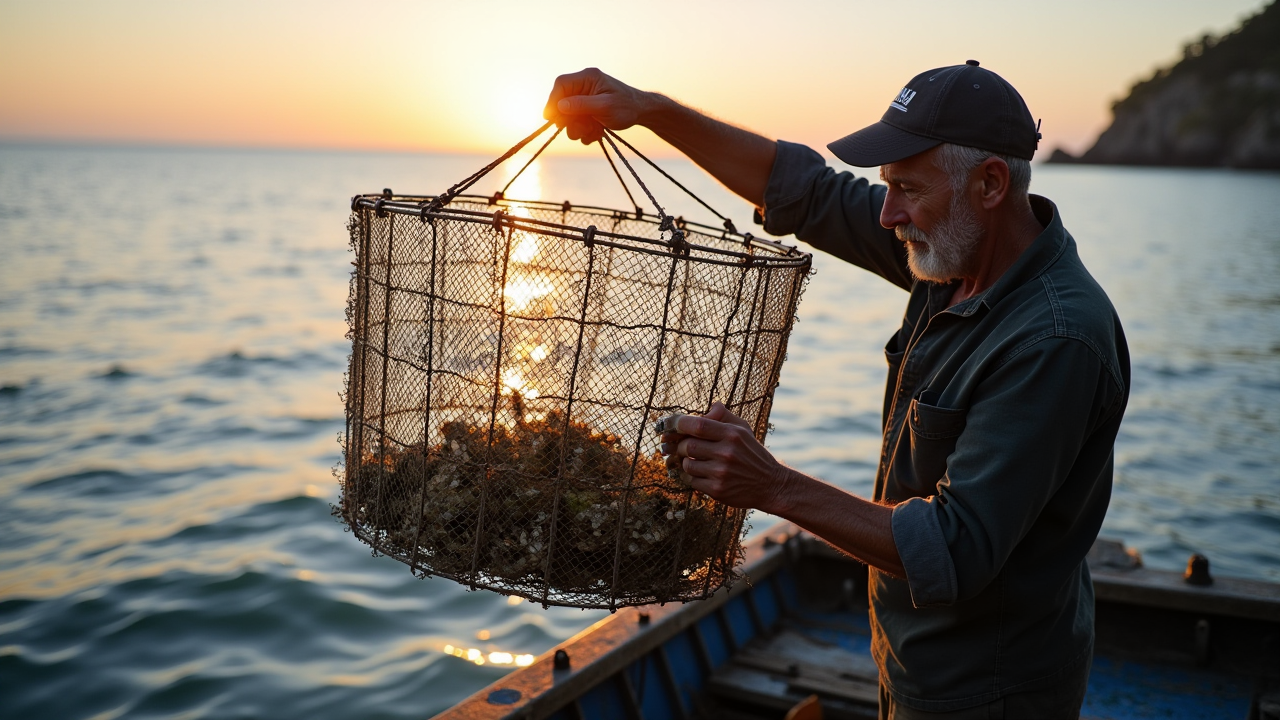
(586, 105)
(585, 129)
(721, 413)
(717, 425)
(589, 82)
(583, 82)
(586, 102)
(671, 443)
(702, 426)
(700, 469)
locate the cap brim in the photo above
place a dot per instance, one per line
(880, 144)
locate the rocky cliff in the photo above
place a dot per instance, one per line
(1218, 106)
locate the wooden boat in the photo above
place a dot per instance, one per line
(796, 626)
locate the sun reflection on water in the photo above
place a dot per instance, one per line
(496, 657)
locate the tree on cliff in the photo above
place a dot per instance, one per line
(1218, 106)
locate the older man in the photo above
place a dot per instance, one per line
(1007, 383)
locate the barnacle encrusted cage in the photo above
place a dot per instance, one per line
(509, 359)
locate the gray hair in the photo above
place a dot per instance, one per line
(957, 161)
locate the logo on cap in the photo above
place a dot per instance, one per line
(904, 99)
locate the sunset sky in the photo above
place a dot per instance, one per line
(472, 76)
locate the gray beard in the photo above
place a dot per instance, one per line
(946, 253)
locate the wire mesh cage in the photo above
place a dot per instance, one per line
(509, 359)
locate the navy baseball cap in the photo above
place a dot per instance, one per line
(962, 104)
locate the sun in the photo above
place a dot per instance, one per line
(515, 109)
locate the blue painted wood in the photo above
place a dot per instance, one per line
(713, 636)
(738, 618)
(766, 599)
(1120, 690)
(604, 702)
(787, 585)
(646, 680)
(685, 667)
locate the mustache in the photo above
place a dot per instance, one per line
(911, 233)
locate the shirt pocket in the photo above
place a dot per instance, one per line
(934, 431)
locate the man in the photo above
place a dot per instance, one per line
(1007, 383)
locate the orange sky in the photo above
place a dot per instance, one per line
(472, 76)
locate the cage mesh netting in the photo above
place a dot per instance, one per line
(509, 360)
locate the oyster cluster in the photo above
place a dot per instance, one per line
(539, 500)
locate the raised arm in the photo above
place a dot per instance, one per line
(584, 102)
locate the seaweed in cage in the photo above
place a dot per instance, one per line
(669, 534)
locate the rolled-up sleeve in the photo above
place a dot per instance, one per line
(837, 213)
(1024, 429)
(924, 552)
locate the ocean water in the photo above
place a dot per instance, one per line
(172, 348)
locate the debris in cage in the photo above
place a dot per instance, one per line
(509, 359)
(540, 473)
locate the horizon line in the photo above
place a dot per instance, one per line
(159, 144)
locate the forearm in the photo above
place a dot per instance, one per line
(856, 526)
(738, 158)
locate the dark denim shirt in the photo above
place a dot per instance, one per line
(1000, 416)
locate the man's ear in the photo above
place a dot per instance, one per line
(994, 176)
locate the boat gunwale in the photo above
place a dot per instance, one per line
(610, 645)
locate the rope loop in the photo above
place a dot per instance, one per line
(386, 193)
(589, 236)
(499, 217)
(377, 207)
(607, 141)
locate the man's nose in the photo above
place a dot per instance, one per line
(892, 213)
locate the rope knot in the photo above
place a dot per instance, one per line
(496, 197)
(589, 236)
(728, 225)
(678, 244)
(439, 202)
(676, 240)
(499, 217)
(377, 207)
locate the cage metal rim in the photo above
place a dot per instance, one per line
(776, 254)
